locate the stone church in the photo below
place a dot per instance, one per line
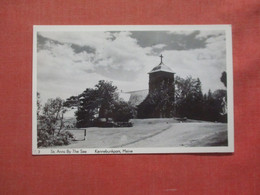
(158, 101)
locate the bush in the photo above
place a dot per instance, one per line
(46, 140)
(50, 124)
(123, 111)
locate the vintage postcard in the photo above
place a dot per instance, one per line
(132, 89)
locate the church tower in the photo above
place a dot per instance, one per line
(159, 103)
(160, 74)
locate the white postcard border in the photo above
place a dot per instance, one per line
(150, 150)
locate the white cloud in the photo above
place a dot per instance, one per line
(207, 63)
(80, 38)
(118, 57)
(159, 46)
(62, 72)
(114, 54)
(209, 33)
(181, 32)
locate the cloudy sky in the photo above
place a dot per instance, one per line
(70, 62)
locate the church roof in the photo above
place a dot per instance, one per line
(134, 97)
(161, 67)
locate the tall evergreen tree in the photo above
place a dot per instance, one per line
(88, 107)
(189, 97)
(106, 98)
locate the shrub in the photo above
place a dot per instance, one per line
(123, 111)
(45, 139)
(50, 125)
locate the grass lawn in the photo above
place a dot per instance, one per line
(154, 133)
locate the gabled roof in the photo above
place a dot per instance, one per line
(137, 97)
(134, 97)
(161, 67)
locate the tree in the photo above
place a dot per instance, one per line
(223, 78)
(123, 111)
(72, 101)
(52, 117)
(163, 99)
(159, 103)
(189, 97)
(96, 103)
(220, 96)
(106, 98)
(88, 107)
(210, 108)
(50, 123)
(38, 105)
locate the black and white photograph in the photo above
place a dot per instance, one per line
(132, 89)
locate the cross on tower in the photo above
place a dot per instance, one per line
(161, 57)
